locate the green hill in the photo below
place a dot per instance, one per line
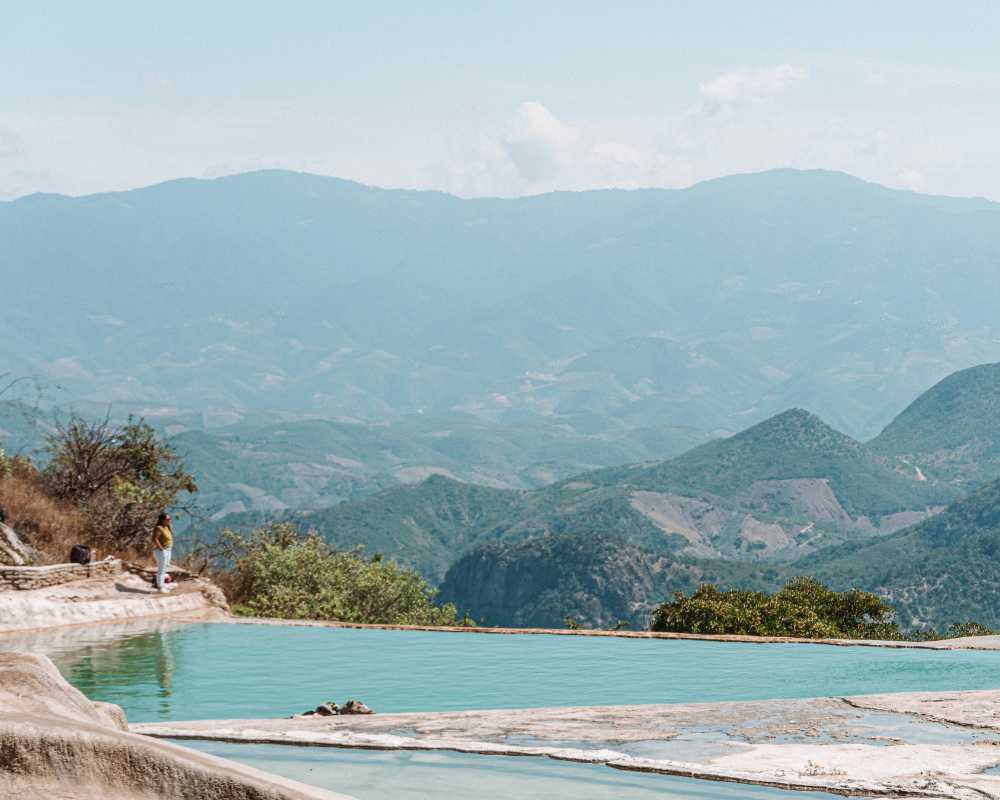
(942, 571)
(792, 445)
(775, 492)
(952, 431)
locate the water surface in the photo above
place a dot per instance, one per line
(200, 671)
(456, 776)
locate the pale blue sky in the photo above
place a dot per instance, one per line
(499, 98)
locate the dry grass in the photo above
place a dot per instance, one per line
(51, 527)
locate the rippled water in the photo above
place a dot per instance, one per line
(224, 671)
(399, 776)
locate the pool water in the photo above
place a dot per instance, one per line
(202, 671)
(402, 775)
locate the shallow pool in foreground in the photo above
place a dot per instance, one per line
(200, 671)
(400, 775)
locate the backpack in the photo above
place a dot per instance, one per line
(79, 554)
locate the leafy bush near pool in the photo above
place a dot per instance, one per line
(279, 572)
(803, 608)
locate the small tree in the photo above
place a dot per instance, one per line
(121, 476)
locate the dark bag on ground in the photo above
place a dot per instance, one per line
(79, 554)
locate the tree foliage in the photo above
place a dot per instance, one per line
(121, 476)
(276, 571)
(803, 608)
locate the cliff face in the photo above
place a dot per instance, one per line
(538, 583)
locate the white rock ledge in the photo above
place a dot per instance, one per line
(826, 744)
(102, 599)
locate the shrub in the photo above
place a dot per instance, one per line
(803, 608)
(278, 572)
(971, 628)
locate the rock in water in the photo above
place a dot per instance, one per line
(355, 707)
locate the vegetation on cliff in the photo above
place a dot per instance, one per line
(278, 572)
(596, 581)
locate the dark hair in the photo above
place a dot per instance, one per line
(162, 519)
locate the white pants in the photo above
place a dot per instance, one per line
(162, 563)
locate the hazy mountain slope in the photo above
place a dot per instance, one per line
(315, 463)
(430, 524)
(952, 431)
(711, 307)
(596, 581)
(277, 460)
(941, 571)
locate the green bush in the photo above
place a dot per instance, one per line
(803, 608)
(278, 572)
(961, 629)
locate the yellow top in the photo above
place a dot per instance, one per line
(163, 537)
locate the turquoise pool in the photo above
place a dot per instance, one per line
(399, 776)
(223, 671)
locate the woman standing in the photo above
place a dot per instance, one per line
(163, 540)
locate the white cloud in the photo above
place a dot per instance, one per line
(912, 179)
(736, 121)
(751, 86)
(538, 143)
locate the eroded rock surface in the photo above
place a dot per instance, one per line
(102, 599)
(820, 743)
(57, 744)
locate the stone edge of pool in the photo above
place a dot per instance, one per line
(94, 602)
(907, 769)
(982, 643)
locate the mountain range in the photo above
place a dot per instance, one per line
(599, 313)
(457, 383)
(787, 496)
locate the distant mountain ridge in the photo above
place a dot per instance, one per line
(711, 307)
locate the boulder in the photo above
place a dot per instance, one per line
(355, 707)
(13, 552)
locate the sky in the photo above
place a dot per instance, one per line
(499, 98)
